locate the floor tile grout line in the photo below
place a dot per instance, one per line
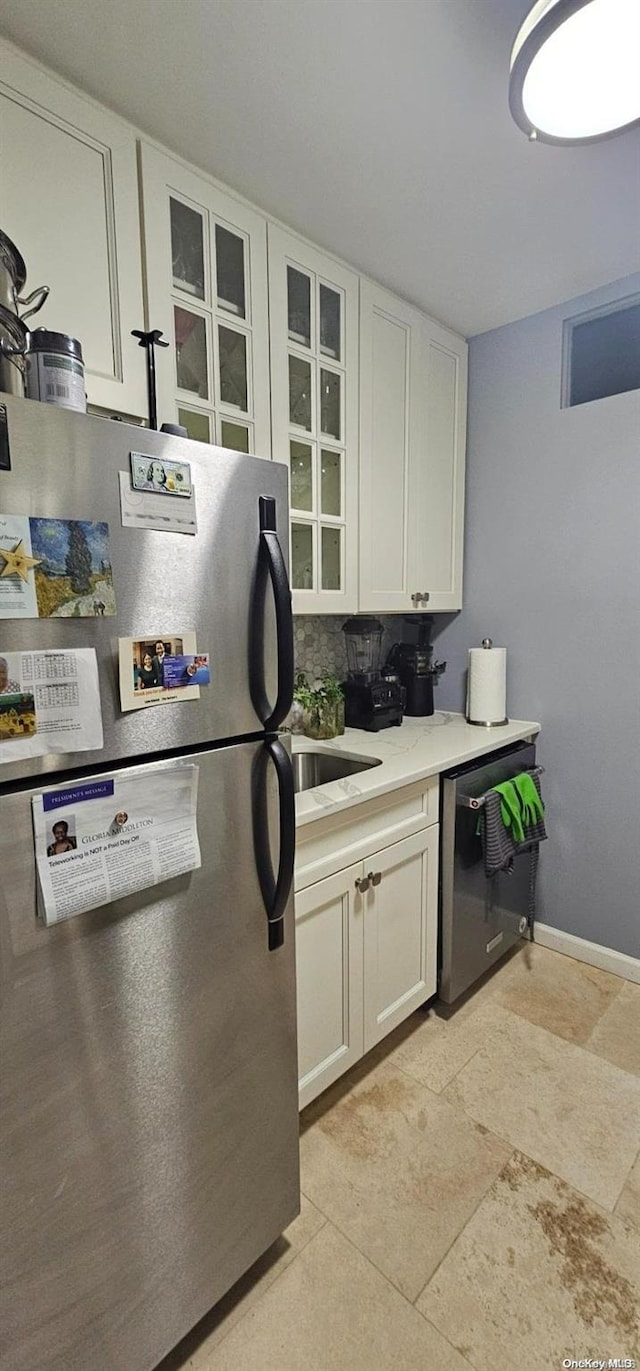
(588, 1199)
(335, 1224)
(553, 1176)
(270, 1286)
(417, 1079)
(330, 1223)
(446, 1339)
(633, 1075)
(352, 1243)
(465, 1225)
(492, 998)
(517, 1147)
(447, 1083)
(410, 1303)
(626, 1181)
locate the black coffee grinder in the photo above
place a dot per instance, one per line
(416, 671)
(372, 701)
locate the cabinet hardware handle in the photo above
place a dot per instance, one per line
(425, 596)
(374, 877)
(416, 598)
(363, 884)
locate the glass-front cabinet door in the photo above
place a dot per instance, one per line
(206, 267)
(313, 311)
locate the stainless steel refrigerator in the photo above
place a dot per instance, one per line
(148, 1082)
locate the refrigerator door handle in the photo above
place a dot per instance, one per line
(275, 890)
(271, 566)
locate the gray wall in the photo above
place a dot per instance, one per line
(552, 572)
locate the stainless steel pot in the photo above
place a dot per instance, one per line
(13, 278)
(13, 340)
(13, 273)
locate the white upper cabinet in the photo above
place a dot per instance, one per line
(69, 202)
(206, 273)
(313, 314)
(413, 385)
(437, 503)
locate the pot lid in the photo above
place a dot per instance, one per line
(11, 326)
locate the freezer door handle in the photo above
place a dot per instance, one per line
(271, 567)
(275, 889)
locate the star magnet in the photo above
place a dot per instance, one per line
(17, 562)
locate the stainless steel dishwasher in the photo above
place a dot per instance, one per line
(480, 917)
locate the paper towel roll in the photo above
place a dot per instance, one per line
(487, 686)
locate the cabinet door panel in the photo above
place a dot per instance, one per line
(206, 254)
(329, 974)
(70, 203)
(413, 433)
(389, 420)
(313, 323)
(400, 932)
(437, 502)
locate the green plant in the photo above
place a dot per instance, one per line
(315, 698)
(321, 703)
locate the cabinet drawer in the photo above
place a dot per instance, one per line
(334, 841)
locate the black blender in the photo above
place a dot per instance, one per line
(414, 668)
(372, 700)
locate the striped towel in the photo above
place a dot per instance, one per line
(500, 847)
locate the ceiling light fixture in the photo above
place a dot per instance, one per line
(575, 70)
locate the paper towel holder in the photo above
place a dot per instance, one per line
(481, 723)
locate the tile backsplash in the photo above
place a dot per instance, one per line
(319, 644)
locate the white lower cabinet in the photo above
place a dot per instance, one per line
(365, 957)
(400, 932)
(329, 958)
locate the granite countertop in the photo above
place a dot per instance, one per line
(419, 748)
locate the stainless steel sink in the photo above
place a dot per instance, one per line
(316, 768)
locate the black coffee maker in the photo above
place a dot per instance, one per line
(413, 665)
(372, 699)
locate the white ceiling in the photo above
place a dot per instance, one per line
(378, 128)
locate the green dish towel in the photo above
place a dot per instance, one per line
(520, 805)
(530, 799)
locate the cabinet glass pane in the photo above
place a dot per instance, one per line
(187, 248)
(330, 403)
(301, 476)
(330, 322)
(191, 352)
(302, 556)
(235, 436)
(233, 367)
(330, 492)
(300, 392)
(197, 425)
(230, 271)
(299, 306)
(330, 552)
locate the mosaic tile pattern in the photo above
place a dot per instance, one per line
(320, 647)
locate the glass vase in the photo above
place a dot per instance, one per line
(325, 720)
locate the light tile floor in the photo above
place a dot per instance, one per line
(471, 1195)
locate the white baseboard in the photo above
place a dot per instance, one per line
(606, 958)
